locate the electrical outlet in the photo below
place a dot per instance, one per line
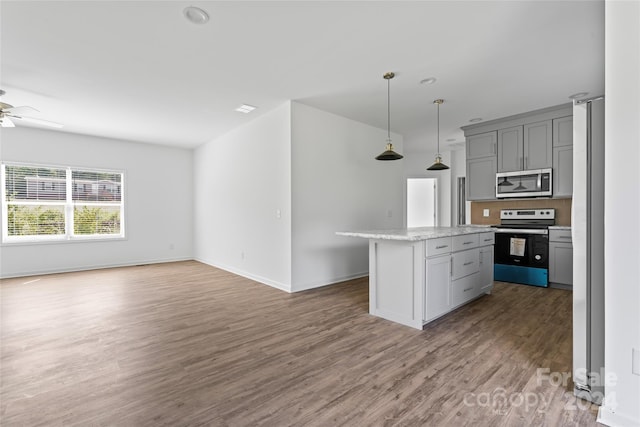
(389, 213)
(242, 255)
(485, 213)
(635, 361)
(278, 214)
(171, 247)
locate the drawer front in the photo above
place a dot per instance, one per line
(466, 241)
(464, 290)
(563, 236)
(487, 239)
(465, 263)
(439, 246)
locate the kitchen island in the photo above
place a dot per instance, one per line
(417, 275)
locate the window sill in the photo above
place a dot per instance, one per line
(63, 241)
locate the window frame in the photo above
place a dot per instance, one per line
(68, 205)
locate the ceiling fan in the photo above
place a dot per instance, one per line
(9, 112)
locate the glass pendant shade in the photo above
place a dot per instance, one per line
(389, 154)
(438, 165)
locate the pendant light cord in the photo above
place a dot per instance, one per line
(388, 110)
(438, 127)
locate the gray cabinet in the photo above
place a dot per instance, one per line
(481, 178)
(486, 269)
(481, 145)
(437, 299)
(563, 131)
(563, 157)
(560, 258)
(525, 147)
(532, 140)
(563, 171)
(510, 149)
(538, 145)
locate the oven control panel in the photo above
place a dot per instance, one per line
(548, 213)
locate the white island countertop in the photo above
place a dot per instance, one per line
(418, 233)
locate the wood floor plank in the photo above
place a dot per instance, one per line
(187, 344)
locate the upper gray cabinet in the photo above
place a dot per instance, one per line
(481, 166)
(481, 145)
(525, 147)
(538, 145)
(535, 140)
(510, 149)
(563, 157)
(563, 131)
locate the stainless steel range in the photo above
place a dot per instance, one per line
(521, 250)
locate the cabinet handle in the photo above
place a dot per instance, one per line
(451, 268)
(468, 289)
(442, 246)
(468, 263)
(494, 148)
(526, 161)
(564, 237)
(488, 240)
(467, 243)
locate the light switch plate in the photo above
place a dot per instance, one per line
(485, 212)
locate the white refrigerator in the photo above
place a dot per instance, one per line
(588, 249)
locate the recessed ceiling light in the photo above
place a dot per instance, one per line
(244, 108)
(578, 95)
(195, 15)
(475, 120)
(428, 81)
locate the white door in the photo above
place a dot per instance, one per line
(421, 202)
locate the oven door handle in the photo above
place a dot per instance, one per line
(520, 231)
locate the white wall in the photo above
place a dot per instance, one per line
(156, 216)
(242, 180)
(338, 185)
(622, 204)
(415, 166)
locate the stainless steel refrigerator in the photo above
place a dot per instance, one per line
(588, 249)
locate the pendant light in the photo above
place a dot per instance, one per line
(438, 165)
(505, 182)
(520, 187)
(389, 154)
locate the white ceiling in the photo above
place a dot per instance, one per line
(139, 71)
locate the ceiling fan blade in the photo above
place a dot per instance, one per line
(6, 122)
(38, 121)
(23, 109)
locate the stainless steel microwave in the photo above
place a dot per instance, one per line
(531, 183)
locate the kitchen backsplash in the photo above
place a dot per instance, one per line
(562, 207)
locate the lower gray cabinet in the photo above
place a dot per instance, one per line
(560, 258)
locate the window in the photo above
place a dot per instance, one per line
(43, 203)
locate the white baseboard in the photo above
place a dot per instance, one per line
(90, 267)
(246, 274)
(613, 419)
(332, 281)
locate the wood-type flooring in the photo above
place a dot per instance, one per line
(186, 344)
